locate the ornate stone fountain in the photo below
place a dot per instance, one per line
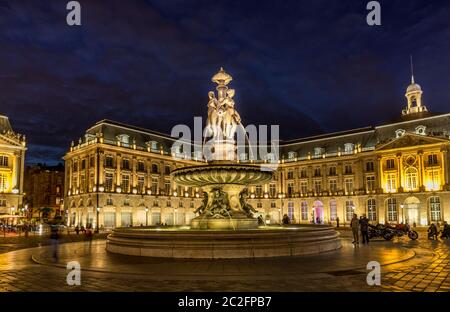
(225, 226)
(223, 180)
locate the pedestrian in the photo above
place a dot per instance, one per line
(354, 224)
(77, 230)
(432, 232)
(54, 236)
(445, 230)
(286, 219)
(88, 235)
(364, 225)
(337, 222)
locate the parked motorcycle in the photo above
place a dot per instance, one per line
(402, 229)
(381, 231)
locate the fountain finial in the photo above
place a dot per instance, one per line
(222, 78)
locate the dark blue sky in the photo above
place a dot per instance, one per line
(310, 66)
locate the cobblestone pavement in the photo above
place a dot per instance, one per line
(426, 270)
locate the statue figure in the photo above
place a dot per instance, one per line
(248, 209)
(204, 204)
(213, 115)
(231, 118)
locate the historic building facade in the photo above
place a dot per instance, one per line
(398, 172)
(12, 159)
(44, 190)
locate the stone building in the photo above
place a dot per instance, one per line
(397, 172)
(44, 188)
(12, 159)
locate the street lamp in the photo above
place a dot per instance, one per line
(146, 216)
(98, 212)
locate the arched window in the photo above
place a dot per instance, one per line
(304, 208)
(411, 179)
(333, 210)
(435, 208)
(392, 210)
(349, 210)
(371, 209)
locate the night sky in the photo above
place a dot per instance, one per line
(309, 66)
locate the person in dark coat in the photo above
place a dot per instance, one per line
(286, 219)
(337, 221)
(364, 226)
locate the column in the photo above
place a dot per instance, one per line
(421, 171)
(400, 172)
(15, 173)
(444, 168)
(380, 175)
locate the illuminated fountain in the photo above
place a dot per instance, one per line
(225, 226)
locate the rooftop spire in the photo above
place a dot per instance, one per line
(412, 69)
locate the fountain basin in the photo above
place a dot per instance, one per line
(218, 244)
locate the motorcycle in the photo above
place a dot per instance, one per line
(401, 230)
(381, 231)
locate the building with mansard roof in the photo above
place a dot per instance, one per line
(12, 159)
(119, 175)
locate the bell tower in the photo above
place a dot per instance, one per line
(414, 96)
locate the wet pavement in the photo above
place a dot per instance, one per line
(406, 266)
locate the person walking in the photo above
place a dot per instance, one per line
(354, 224)
(364, 225)
(337, 222)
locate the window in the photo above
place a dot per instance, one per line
(126, 164)
(290, 174)
(411, 179)
(304, 187)
(4, 161)
(348, 169)
(333, 210)
(91, 161)
(259, 205)
(125, 183)
(332, 171)
(109, 181)
(349, 210)
(435, 208)
(109, 161)
(349, 186)
(155, 168)
(141, 166)
(141, 184)
(155, 203)
(91, 181)
(82, 183)
(258, 191)
(291, 155)
(290, 189)
(83, 164)
(3, 182)
(422, 130)
(391, 182)
(434, 180)
(317, 172)
(155, 182)
(399, 133)
(371, 209)
(168, 204)
(273, 205)
(304, 210)
(272, 190)
(432, 160)
(109, 201)
(392, 210)
(370, 183)
(390, 164)
(2, 202)
(333, 186)
(167, 188)
(369, 166)
(303, 173)
(319, 151)
(75, 166)
(126, 202)
(291, 211)
(349, 148)
(318, 186)
(166, 170)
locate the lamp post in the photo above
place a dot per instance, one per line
(146, 216)
(96, 227)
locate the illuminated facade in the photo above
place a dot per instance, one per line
(398, 172)
(12, 158)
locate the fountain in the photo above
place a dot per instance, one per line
(225, 226)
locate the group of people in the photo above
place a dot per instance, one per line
(433, 231)
(360, 225)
